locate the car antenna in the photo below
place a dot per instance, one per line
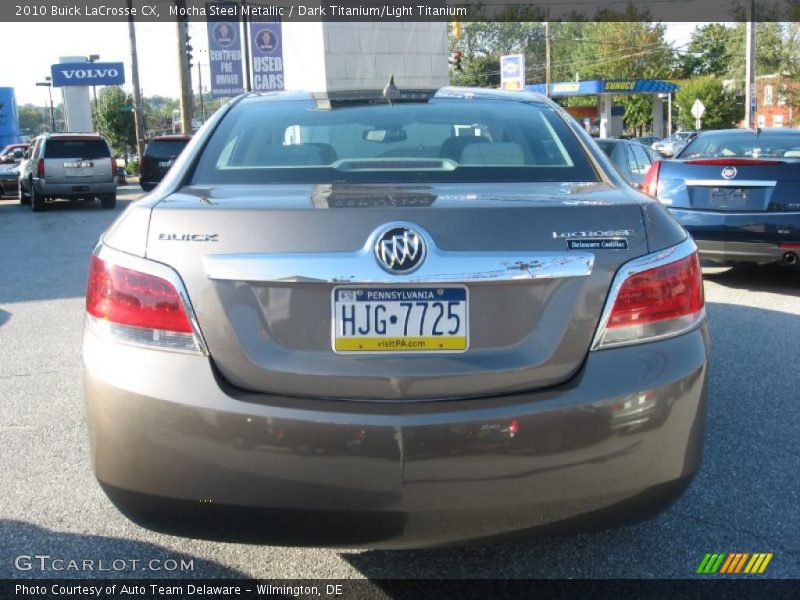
(390, 92)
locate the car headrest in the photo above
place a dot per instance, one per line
(453, 146)
(505, 154)
(290, 156)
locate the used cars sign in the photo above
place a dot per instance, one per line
(107, 73)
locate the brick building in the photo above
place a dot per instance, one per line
(774, 108)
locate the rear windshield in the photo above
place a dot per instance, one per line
(437, 141)
(90, 148)
(607, 147)
(163, 149)
(737, 144)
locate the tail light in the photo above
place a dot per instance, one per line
(650, 184)
(40, 168)
(114, 167)
(654, 297)
(139, 307)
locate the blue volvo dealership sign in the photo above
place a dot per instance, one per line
(86, 74)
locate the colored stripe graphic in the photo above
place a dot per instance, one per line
(766, 562)
(734, 562)
(710, 563)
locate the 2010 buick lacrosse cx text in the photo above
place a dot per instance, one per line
(394, 318)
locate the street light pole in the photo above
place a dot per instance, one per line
(49, 85)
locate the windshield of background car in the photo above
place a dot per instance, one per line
(442, 140)
(165, 149)
(730, 144)
(76, 148)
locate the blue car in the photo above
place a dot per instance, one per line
(737, 191)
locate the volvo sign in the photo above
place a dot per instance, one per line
(88, 74)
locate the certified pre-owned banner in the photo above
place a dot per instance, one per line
(225, 54)
(66, 74)
(267, 48)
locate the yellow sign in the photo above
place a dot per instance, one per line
(560, 88)
(619, 85)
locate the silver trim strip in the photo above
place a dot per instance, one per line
(736, 213)
(151, 267)
(361, 267)
(637, 265)
(730, 182)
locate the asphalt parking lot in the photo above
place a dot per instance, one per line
(745, 498)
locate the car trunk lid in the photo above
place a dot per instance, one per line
(731, 185)
(262, 264)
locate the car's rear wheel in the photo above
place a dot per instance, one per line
(37, 200)
(147, 187)
(23, 197)
(108, 201)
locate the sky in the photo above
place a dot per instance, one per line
(156, 42)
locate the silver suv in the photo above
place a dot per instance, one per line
(70, 166)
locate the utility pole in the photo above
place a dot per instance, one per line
(200, 88)
(547, 52)
(246, 45)
(137, 93)
(750, 101)
(184, 76)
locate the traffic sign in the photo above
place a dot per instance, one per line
(698, 109)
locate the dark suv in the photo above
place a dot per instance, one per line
(161, 152)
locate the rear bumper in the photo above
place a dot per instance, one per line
(742, 237)
(77, 189)
(178, 450)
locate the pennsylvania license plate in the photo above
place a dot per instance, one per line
(404, 319)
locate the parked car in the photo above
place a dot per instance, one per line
(158, 157)
(8, 179)
(631, 159)
(737, 191)
(346, 321)
(673, 144)
(647, 140)
(69, 166)
(122, 175)
(13, 153)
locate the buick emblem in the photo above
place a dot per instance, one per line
(400, 250)
(729, 172)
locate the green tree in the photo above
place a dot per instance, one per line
(479, 71)
(114, 118)
(775, 50)
(709, 51)
(30, 120)
(721, 110)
